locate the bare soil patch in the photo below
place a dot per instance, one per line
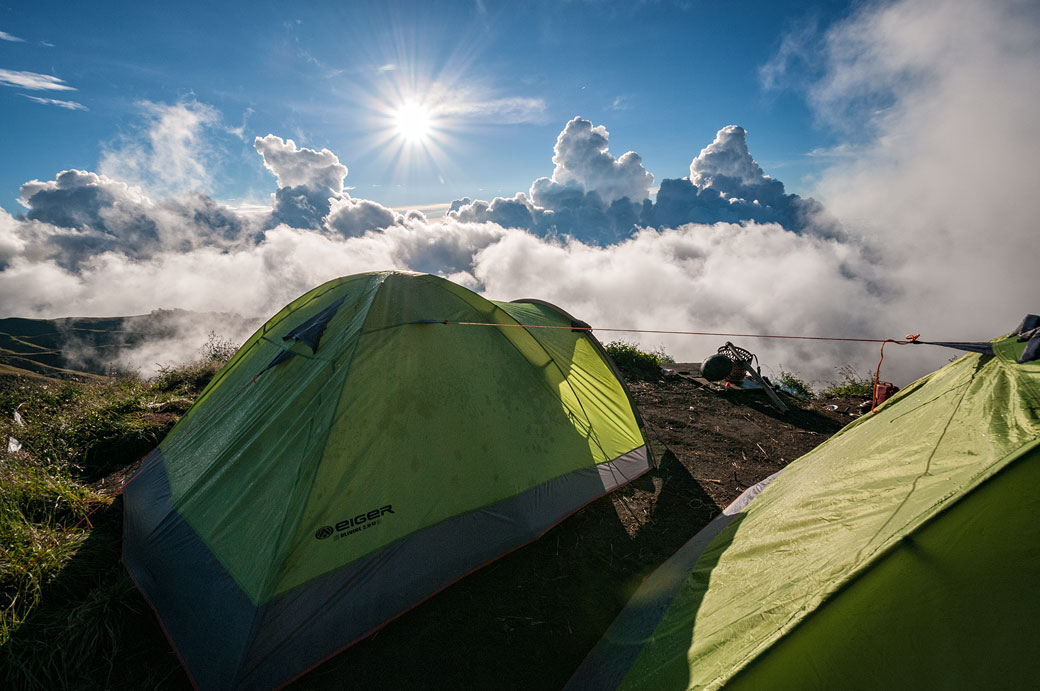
(527, 620)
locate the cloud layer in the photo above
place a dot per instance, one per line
(97, 245)
(946, 95)
(933, 219)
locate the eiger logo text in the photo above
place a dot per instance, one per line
(349, 526)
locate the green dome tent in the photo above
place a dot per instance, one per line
(360, 452)
(904, 552)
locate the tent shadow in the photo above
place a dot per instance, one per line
(549, 601)
(797, 415)
(91, 628)
(653, 635)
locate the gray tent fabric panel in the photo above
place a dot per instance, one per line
(608, 662)
(310, 332)
(160, 548)
(287, 636)
(1027, 330)
(1029, 323)
(982, 348)
(1032, 351)
(292, 630)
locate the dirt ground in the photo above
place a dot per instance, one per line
(527, 620)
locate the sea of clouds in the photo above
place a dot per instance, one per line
(925, 221)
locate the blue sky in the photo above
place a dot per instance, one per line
(833, 169)
(661, 77)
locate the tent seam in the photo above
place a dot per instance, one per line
(348, 361)
(261, 606)
(566, 379)
(598, 346)
(259, 335)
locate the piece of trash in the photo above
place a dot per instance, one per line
(13, 445)
(668, 372)
(18, 419)
(830, 407)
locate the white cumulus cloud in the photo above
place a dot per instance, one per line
(583, 161)
(299, 166)
(943, 179)
(170, 154)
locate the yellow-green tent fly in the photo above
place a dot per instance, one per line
(360, 452)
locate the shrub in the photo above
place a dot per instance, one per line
(60, 580)
(635, 363)
(191, 378)
(188, 379)
(71, 434)
(852, 385)
(791, 384)
(218, 349)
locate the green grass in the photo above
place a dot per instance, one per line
(45, 520)
(65, 600)
(850, 385)
(635, 363)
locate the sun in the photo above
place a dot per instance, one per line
(414, 129)
(413, 123)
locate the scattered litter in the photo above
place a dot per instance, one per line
(161, 405)
(13, 445)
(830, 407)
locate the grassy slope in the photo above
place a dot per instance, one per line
(66, 605)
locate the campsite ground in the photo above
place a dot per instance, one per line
(524, 622)
(527, 620)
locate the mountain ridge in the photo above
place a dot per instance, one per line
(88, 347)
